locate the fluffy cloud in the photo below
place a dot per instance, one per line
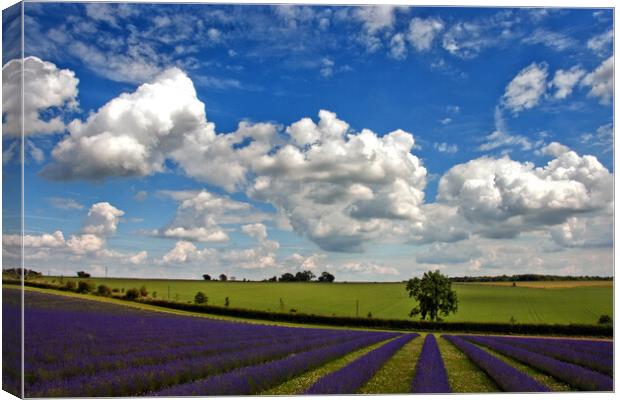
(63, 203)
(448, 253)
(398, 50)
(89, 244)
(184, 252)
(565, 80)
(526, 89)
(376, 18)
(341, 188)
(500, 138)
(337, 187)
(422, 32)
(257, 231)
(45, 87)
(201, 214)
(505, 197)
(102, 219)
(601, 81)
(446, 148)
(601, 44)
(554, 149)
(585, 231)
(132, 134)
(554, 40)
(367, 268)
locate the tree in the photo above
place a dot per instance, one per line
(82, 274)
(604, 319)
(304, 276)
(200, 298)
(206, 277)
(226, 302)
(223, 277)
(434, 295)
(326, 277)
(143, 291)
(287, 277)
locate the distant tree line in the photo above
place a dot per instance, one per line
(302, 276)
(17, 273)
(528, 278)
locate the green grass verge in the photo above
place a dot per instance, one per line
(396, 375)
(302, 382)
(477, 302)
(463, 375)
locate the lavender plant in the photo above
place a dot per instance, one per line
(505, 376)
(350, 378)
(430, 372)
(574, 375)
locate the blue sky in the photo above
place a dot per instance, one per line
(373, 142)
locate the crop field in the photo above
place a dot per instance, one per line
(575, 303)
(79, 348)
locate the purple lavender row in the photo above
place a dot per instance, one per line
(430, 373)
(86, 366)
(350, 379)
(257, 378)
(583, 358)
(604, 347)
(508, 378)
(98, 333)
(574, 375)
(140, 379)
(43, 357)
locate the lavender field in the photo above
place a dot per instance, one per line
(82, 348)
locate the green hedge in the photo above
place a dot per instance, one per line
(377, 323)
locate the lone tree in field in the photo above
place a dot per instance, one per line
(223, 278)
(434, 295)
(206, 277)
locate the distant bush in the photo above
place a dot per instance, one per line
(604, 319)
(200, 298)
(70, 285)
(116, 290)
(226, 302)
(154, 295)
(104, 290)
(369, 315)
(143, 291)
(82, 274)
(132, 294)
(84, 287)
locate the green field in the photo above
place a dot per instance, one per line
(477, 302)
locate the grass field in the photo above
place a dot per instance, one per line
(477, 302)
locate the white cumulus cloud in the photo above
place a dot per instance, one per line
(422, 32)
(526, 89)
(601, 81)
(565, 80)
(45, 87)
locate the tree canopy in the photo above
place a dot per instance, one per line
(326, 277)
(434, 295)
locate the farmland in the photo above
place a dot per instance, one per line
(76, 347)
(547, 302)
